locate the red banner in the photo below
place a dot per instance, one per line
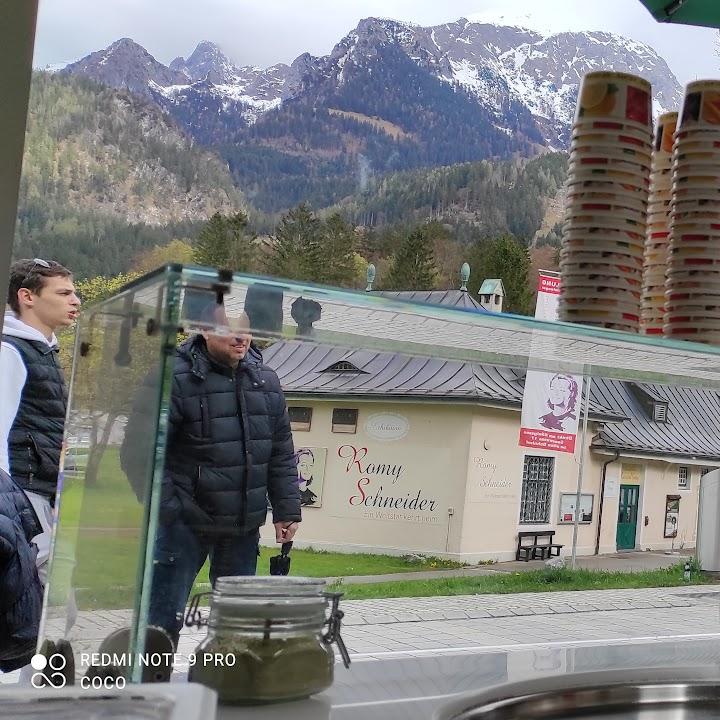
(549, 284)
(547, 440)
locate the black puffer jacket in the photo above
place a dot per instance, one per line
(229, 444)
(21, 594)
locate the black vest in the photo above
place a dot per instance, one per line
(36, 436)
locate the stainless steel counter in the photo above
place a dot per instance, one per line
(403, 687)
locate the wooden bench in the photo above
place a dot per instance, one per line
(536, 545)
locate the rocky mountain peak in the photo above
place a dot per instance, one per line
(126, 64)
(207, 62)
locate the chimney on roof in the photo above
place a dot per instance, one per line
(492, 294)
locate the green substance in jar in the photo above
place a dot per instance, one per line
(265, 670)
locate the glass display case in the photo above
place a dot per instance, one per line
(418, 432)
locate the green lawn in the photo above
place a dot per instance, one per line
(546, 580)
(105, 574)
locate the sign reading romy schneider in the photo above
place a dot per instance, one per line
(383, 489)
(491, 481)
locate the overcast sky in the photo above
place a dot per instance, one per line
(264, 32)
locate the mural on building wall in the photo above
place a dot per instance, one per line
(310, 463)
(550, 411)
(384, 490)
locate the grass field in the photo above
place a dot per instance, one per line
(545, 580)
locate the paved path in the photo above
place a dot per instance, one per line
(477, 623)
(416, 626)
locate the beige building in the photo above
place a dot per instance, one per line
(415, 455)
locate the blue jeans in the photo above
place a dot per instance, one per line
(179, 555)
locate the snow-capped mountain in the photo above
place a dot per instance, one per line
(498, 65)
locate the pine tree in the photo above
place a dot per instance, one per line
(413, 265)
(297, 248)
(508, 259)
(338, 247)
(226, 242)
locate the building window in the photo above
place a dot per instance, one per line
(300, 418)
(536, 489)
(683, 477)
(344, 420)
(704, 471)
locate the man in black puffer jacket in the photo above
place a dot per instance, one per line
(21, 593)
(229, 449)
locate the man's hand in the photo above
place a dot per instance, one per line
(285, 531)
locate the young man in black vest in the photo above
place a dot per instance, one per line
(41, 300)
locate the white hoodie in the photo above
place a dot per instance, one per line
(12, 377)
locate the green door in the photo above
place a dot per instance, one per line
(627, 517)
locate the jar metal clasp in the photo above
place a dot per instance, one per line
(193, 616)
(333, 622)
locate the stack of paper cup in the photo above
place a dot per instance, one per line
(607, 192)
(692, 310)
(652, 305)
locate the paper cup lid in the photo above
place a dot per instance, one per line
(596, 181)
(621, 177)
(596, 162)
(584, 135)
(584, 198)
(603, 256)
(679, 229)
(691, 145)
(602, 272)
(602, 226)
(613, 125)
(589, 201)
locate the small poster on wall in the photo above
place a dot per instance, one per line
(672, 515)
(567, 508)
(310, 463)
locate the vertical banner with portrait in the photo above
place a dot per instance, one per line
(550, 411)
(310, 463)
(551, 401)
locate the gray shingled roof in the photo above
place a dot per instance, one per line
(448, 298)
(305, 369)
(692, 428)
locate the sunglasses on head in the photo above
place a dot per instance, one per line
(37, 262)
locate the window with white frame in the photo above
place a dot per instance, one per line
(536, 495)
(683, 477)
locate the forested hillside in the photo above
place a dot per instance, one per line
(107, 175)
(478, 199)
